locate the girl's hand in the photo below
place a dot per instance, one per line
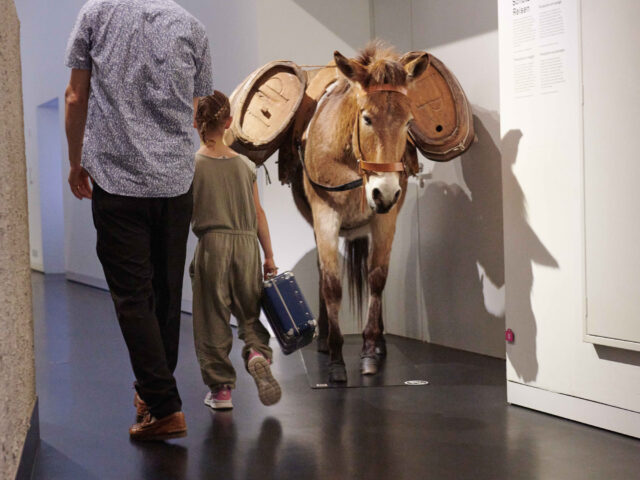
(270, 269)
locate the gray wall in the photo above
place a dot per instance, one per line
(448, 262)
(306, 32)
(232, 31)
(449, 238)
(17, 370)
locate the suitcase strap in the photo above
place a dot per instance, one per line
(275, 286)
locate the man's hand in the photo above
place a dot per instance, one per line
(76, 107)
(79, 182)
(270, 269)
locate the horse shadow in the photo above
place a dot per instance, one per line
(308, 278)
(457, 238)
(527, 250)
(460, 250)
(460, 247)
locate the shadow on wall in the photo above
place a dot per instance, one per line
(529, 250)
(481, 18)
(469, 18)
(331, 14)
(308, 278)
(614, 354)
(306, 272)
(461, 247)
(462, 251)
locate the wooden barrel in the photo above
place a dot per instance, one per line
(442, 127)
(318, 80)
(263, 108)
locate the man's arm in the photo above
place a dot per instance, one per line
(76, 107)
(195, 110)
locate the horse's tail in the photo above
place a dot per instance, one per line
(356, 257)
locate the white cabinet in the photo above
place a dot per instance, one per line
(611, 89)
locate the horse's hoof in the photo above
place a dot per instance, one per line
(381, 349)
(337, 373)
(368, 365)
(322, 345)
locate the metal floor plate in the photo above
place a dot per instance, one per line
(395, 370)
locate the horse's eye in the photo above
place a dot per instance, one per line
(366, 119)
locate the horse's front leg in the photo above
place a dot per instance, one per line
(322, 341)
(326, 224)
(373, 348)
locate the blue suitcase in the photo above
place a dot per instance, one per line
(288, 313)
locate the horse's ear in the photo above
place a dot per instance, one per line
(351, 69)
(415, 63)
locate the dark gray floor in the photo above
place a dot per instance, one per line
(458, 427)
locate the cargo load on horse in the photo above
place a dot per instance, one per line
(347, 135)
(263, 106)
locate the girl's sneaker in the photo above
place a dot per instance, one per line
(268, 387)
(219, 399)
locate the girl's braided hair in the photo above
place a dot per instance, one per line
(212, 112)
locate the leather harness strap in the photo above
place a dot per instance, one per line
(382, 167)
(363, 165)
(329, 188)
(386, 88)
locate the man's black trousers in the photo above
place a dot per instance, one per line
(142, 245)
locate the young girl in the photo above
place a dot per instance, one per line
(228, 221)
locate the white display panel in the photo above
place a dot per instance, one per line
(549, 365)
(611, 171)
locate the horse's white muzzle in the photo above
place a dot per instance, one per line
(383, 191)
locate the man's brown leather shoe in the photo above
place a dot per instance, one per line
(150, 428)
(141, 407)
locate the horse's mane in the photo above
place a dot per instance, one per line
(382, 64)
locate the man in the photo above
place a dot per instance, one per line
(138, 68)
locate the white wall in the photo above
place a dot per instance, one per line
(246, 34)
(232, 30)
(42, 36)
(243, 36)
(307, 32)
(50, 167)
(45, 27)
(447, 267)
(453, 317)
(549, 366)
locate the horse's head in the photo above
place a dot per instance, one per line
(379, 79)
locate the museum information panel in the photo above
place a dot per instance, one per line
(611, 171)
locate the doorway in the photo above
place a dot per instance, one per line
(50, 186)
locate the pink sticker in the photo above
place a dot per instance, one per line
(509, 336)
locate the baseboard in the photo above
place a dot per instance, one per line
(31, 445)
(578, 409)
(96, 282)
(187, 306)
(38, 267)
(101, 283)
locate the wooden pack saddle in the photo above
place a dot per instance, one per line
(273, 106)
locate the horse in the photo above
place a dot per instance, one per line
(357, 158)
